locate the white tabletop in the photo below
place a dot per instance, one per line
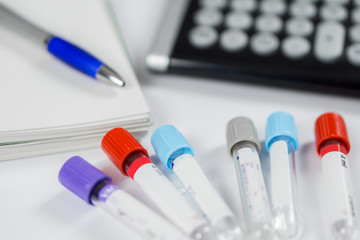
(33, 204)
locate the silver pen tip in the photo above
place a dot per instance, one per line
(107, 75)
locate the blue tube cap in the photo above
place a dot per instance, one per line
(169, 143)
(281, 126)
(80, 177)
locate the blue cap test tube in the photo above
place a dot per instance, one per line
(96, 188)
(281, 142)
(244, 146)
(178, 156)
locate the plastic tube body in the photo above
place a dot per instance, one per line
(209, 200)
(253, 193)
(151, 180)
(341, 206)
(283, 189)
(133, 213)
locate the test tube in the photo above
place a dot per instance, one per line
(333, 145)
(96, 188)
(244, 147)
(281, 142)
(133, 160)
(178, 156)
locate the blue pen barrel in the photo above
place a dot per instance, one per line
(74, 56)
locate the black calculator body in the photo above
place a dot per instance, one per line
(302, 44)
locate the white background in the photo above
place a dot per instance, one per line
(33, 205)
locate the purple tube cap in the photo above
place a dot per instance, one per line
(80, 177)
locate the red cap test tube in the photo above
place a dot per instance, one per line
(133, 161)
(333, 145)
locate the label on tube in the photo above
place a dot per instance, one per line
(132, 212)
(167, 198)
(254, 186)
(196, 183)
(280, 174)
(338, 185)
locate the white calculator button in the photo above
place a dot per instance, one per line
(243, 5)
(303, 9)
(355, 33)
(264, 43)
(299, 26)
(337, 1)
(268, 23)
(295, 47)
(353, 54)
(329, 41)
(233, 40)
(273, 7)
(213, 3)
(203, 37)
(238, 19)
(355, 15)
(333, 12)
(208, 16)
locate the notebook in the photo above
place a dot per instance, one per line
(47, 106)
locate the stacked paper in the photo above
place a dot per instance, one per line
(47, 106)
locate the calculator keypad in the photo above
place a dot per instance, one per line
(326, 30)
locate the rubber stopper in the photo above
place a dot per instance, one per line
(169, 143)
(330, 126)
(118, 144)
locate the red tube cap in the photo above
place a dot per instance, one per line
(330, 126)
(118, 144)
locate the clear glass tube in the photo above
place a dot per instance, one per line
(283, 189)
(133, 213)
(175, 207)
(209, 200)
(255, 200)
(341, 206)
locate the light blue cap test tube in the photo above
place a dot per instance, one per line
(178, 156)
(169, 143)
(281, 126)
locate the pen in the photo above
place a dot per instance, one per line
(60, 48)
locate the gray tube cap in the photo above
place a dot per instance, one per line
(241, 131)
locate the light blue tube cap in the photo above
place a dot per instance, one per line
(169, 143)
(281, 126)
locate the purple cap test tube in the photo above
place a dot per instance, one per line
(96, 188)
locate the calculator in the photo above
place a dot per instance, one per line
(302, 44)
